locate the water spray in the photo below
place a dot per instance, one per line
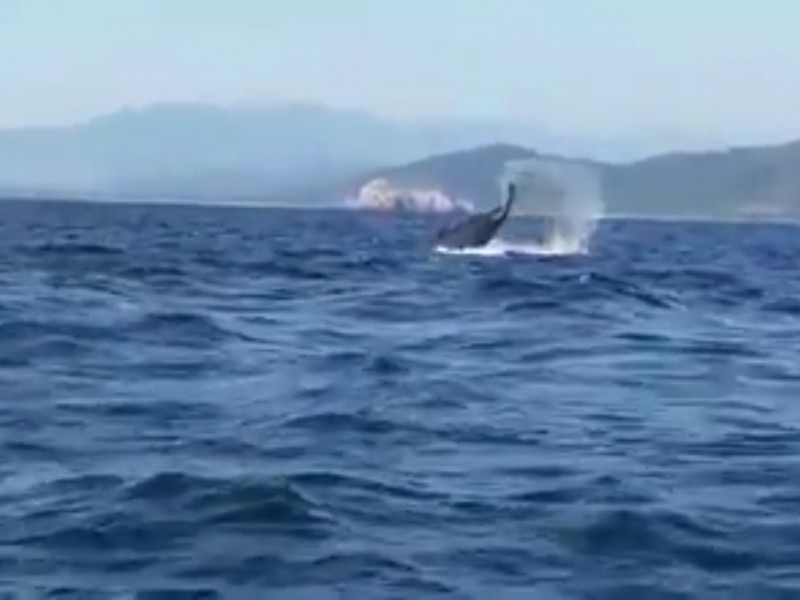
(568, 192)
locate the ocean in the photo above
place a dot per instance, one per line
(209, 402)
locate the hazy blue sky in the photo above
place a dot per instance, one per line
(718, 67)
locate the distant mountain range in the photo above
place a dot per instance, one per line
(737, 183)
(310, 154)
(203, 151)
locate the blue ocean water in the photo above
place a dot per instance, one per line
(262, 403)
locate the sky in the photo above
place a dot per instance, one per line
(699, 68)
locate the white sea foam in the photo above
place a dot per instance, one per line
(553, 246)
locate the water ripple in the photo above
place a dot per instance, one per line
(220, 402)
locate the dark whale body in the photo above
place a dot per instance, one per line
(479, 229)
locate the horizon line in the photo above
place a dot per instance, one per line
(177, 202)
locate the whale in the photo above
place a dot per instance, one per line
(476, 230)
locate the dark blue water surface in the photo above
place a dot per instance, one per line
(253, 403)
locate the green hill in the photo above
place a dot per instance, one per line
(735, 183)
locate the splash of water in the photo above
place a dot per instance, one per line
(569, 192)
(500, 247)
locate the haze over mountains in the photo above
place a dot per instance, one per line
(310, 154)
(192, 150)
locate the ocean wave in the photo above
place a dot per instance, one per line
(221, 403)
(70, 249)
(183, 326)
